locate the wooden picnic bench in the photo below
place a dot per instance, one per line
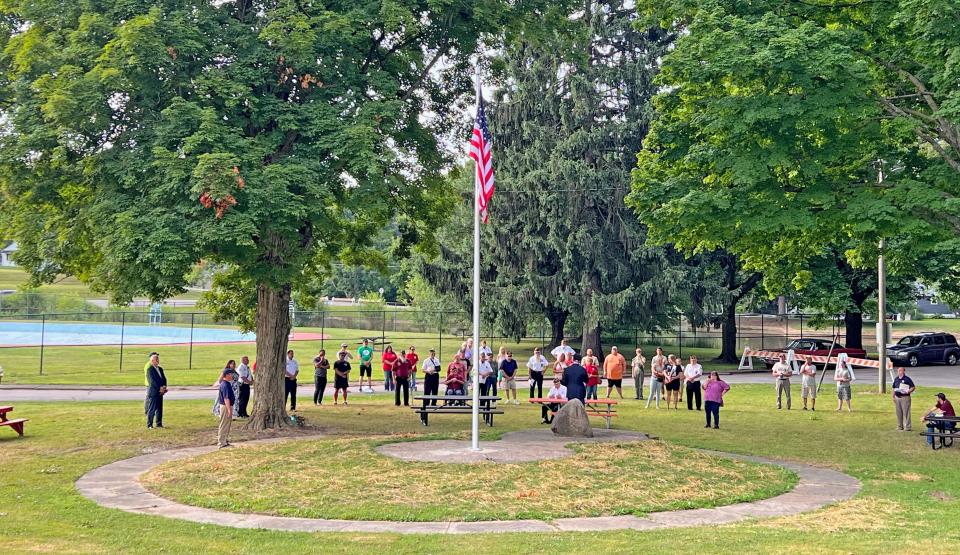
(942, 433)
(602, 408)
(456, 404)
(16, 424)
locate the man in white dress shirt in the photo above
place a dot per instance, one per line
(536, 365)
(290, 381)
(691, 377)
(562, 349)
(556, 392)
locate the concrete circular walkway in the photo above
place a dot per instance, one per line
(117, 486)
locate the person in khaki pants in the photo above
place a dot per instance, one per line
(226, 400)
(903, 388)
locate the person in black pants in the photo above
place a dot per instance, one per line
(536, 365)
(401, 379)
(156, 388)
(290, 381)
(431, 378)
(246, 380)
(320, 367)
(691, 376)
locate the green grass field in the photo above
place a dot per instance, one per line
(909, 502)
(68, 286)
(482, 491)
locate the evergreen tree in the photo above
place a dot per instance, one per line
(571, 111)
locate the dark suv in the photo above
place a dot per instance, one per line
(924, 348)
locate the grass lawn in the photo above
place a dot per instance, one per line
(68, 286)
(580, 485)
(909, 503)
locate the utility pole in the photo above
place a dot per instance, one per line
(882, 305)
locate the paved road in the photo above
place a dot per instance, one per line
(935, 376)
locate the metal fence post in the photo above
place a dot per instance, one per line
(680, 333)
(383, 330)
(440, 329)
(763, 336)
(123, 326)
(323, 326)
(190, 362)
(43, 326)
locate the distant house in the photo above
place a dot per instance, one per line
(929, 305)
(6, 253)
(927, 302)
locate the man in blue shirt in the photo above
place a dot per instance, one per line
(903, 389)
(226, 400)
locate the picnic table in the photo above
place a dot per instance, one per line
(602, 408)
(16, 424)
(456, 404)
(940, 432)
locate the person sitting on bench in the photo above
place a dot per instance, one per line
(456, 378)
(942, 408)
(556, 392)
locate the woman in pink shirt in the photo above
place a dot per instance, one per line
(713, 392)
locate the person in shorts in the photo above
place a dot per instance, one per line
(365, 354)
(509, 368)
(341, 379)
(808, 383)
(614, 365)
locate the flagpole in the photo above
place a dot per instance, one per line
(475, 426)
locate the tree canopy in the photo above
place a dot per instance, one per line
(274, 137)
(776, 118)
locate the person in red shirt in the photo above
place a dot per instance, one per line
(593, 374)
(401, 377)
(942, 408)
(414, 359)
(389, 360)
(456, 377)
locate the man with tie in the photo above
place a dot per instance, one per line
(156, 383)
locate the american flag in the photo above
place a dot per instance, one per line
(480, 151)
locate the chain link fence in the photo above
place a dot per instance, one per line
(65, 347)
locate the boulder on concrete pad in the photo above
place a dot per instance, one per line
(572, 421)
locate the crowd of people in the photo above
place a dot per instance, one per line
(574, 377)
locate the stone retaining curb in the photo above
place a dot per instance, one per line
(117, 486)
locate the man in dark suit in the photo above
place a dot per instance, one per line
(156, 389)
(575, 379)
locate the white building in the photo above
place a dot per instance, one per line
(9, 247)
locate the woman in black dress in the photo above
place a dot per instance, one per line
(674, 371)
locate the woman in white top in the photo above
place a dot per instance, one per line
(488, 382)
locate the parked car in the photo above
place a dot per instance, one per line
(816, 347)
(925, 348)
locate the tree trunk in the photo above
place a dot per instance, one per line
(273, 330)
(782, 307)
(853, 322)
(558, 320)
(728, 351)
(591, 340)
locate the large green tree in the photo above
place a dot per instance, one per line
(570, 112)
(771, 120)
(272, 136)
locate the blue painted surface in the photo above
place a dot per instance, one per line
(56, 333)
